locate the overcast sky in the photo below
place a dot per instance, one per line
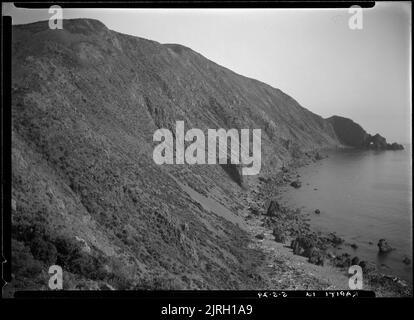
(311, 55)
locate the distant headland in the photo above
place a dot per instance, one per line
(352, 134)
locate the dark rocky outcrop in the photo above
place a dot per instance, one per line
(279, 235)
(317, 257)
(355, 261)
(234, 171)
(395, 146)
(303, 246)
(349, 133)
(296, 184)
(352, 134)
(383, 246)
(343, 260)
(274, 209)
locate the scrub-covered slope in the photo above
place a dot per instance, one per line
(87, 194)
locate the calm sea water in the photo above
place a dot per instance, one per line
(363, 196)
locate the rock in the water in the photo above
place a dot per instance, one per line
(296, 184)
(395, 146)
(354, 246)
(317, 211)
(260, 236)
(407, 260)
(383, 246)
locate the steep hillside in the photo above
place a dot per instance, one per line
(87, 194)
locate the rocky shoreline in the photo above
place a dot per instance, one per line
(291, 228)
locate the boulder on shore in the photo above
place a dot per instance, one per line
(296, 184)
